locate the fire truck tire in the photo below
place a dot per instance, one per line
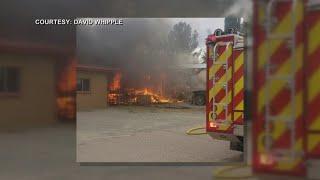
(199, 100)
(237, 145)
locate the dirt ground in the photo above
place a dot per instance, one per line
(147, 134)
(49, 153)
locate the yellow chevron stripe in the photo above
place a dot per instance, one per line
(237, 115)
(239, 61)
(314, 38)
(313, 92)
(222, 58)
(283, 27)
(313, 142)
(211, 92)
(288, 165)
(313, 85)
(315, 125)
(240, 106)
(276, 86)
(238, 86)
(279, 127)
(213, 70)
(215, 89)
(219, 110)
(223, 127)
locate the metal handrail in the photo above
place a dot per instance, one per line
(227, 44)
(291, 79)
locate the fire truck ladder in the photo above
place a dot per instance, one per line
(224, 84)
(283, 153)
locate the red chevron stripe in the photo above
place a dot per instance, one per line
(313, 110)
(284, 140)
(239, 120)
(313, 18)
(313, 62)
(237, 99)
(280, 56)
(221, 94)
(238, 74)
(222, 114)
(316, 151)
(282, 98)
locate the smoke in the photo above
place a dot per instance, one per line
(241, 8)
(138, 48)
(17, 17)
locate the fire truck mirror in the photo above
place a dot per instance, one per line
(230, 31)
(218, 32)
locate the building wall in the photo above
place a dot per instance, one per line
(96, 97)
(34, 105)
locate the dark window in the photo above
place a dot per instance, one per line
(79, 84)
(9, 79)
(86, 85)
(83, 84)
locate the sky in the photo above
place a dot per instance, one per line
(136, 35)
(202, 25)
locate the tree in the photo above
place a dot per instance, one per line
(194, 40)
(232, 22)
(182, 39)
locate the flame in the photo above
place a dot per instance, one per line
(155, 98)
(66, 87)
(115, 84)
(113, 96)
(124, 95)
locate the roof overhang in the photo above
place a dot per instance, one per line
(90, 68)
(19, 47)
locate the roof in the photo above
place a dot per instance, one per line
(32, 48)
(91, 68)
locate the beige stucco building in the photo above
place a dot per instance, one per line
(92, 87)
(28, 84)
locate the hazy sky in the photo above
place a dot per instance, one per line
(106, 43)
(202, 25)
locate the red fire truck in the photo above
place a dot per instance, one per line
(225, 88)
(286, 90)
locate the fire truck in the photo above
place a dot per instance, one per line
(225, 88)
(286, 90)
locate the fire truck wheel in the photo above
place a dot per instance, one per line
(237, 145)
(199, 100)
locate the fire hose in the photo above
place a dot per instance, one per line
(191, 131)
(221, 173)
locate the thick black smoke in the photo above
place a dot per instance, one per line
(17, 17)
(138, 48)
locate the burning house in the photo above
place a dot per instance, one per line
(143, 92)
(92, 86)
(146, 52)
(36, 84)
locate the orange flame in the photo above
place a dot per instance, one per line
(115, 84)
(66, 87)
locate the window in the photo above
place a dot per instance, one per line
(9, 80)
(83, 84)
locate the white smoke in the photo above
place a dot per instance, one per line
(241, 8)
